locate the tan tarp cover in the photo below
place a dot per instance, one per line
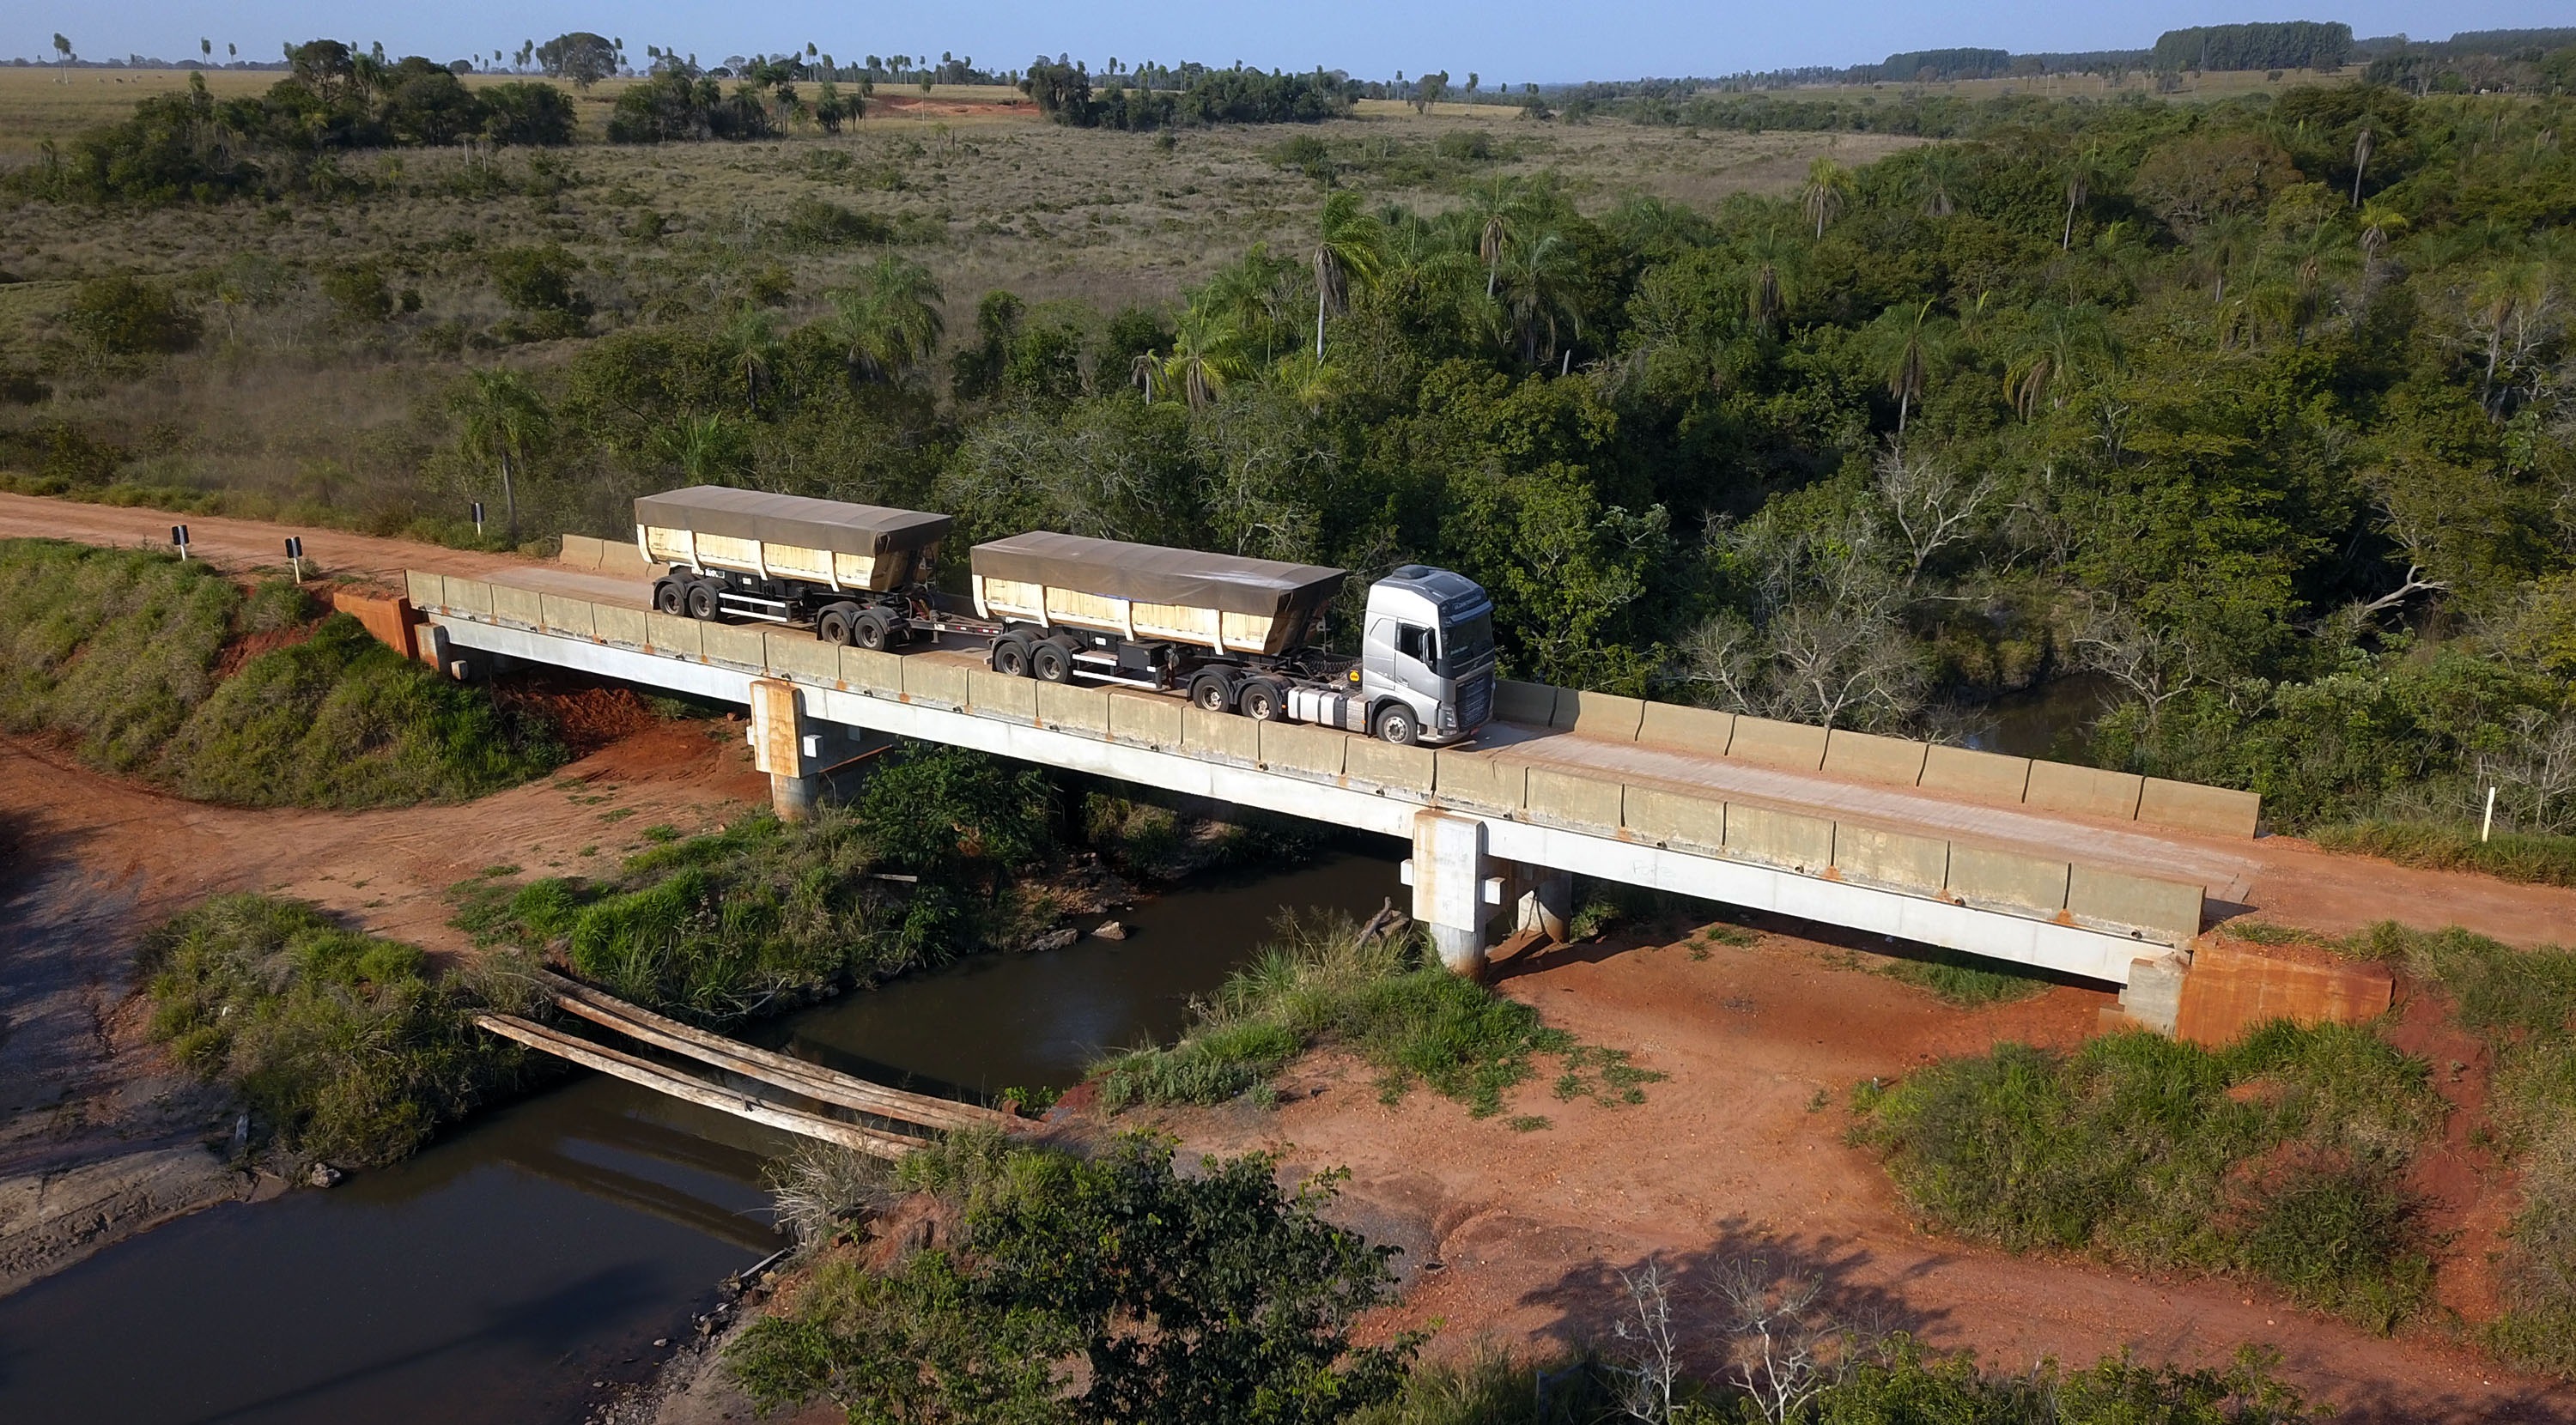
(792, 519)
(1151, 574)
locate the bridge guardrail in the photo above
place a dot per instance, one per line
(1664, 815)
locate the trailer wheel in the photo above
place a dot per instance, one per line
(670, 598)
(1011, 658)
(1213, 691)
(702, 601)
(1051, 663)
(834, 626)
(1395, 724)
(869, 629)
(1263, 700)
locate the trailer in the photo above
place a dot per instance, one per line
(858, 574)
(1240, 635)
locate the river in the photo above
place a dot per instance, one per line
(543, 1246)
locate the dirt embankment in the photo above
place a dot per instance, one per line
(1519, 1237)
(100, 1138)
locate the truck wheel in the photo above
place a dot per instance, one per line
(1395, 724)
(1263, 700)
(702, 601)
(1213, 692)
(834, 626)
(1011, 658)
(1051, 663)
(869, 630)
(670, 598)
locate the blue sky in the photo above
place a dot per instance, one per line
(1506, 41)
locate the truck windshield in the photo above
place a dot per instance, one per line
(1466, 645)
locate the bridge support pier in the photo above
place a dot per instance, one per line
(796, 750)
(1452, 887)
(1546, 903)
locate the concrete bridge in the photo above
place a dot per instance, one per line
(2089, 873)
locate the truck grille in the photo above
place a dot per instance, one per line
(1475, 701)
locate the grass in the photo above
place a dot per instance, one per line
(2539, 860)
(346, 1048)
(1383, 999)
(1963, 979)
(122, 651)
(2281, 1157)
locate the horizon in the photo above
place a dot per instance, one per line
(1503, 46)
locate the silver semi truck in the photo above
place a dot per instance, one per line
(1241, 635)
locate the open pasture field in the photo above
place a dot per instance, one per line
(2207, 86)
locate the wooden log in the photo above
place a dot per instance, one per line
(812, 1080)
(680, 1086)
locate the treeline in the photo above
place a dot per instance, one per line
(1209, 96)
(2283, 44)
(334, 100)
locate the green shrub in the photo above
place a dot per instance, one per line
(2282, 1156)
(346, 1047)
(1385, 1000)
(129, 316)
(114, 647)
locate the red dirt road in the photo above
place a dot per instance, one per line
(1729, 1157)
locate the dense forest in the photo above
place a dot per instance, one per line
(2250, 417)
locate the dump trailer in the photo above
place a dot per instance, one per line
(858, 574)
(1240, 635)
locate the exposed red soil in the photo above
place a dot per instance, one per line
(1732, 1156)
(2468, 1201)
(588, 716)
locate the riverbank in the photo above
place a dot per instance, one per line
(101, 1137)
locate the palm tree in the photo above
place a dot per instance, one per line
(2379, 224)
(2082, 170)
(1775, 272)
(2362, 145)
(1829, 186)
(889, 324)
(1350, 251)
(2054, 352)
(1541, 293)
(1494, 207)
(1937, 176)
(708, 449)
(2507, 297)
(1204, 358)
(750, 343)
(504, 419)
(2221, 244)
(1909, 345)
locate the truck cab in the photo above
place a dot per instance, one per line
(1427, 656)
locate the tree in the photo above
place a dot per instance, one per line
(1829, 186)
(582, 57)
(502, 420)
(1350, 251)
(1205, 357)
(2078, 173)
(751, 346)
(1215, 1299)
(1909, 344)
(2362, 145)
(62, 57)
(889, 324)
(1542, 295)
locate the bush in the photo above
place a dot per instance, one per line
(346, 1047)
(1406, 1015)
(2282, 1156)
(128, 316)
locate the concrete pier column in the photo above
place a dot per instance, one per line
(1546, 902)
(793, 798)
(778, 748)
(1451, 887)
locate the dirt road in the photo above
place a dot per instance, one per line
(99, 1139)
(1733, 1156)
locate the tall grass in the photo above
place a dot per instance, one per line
(2514, 856)
(2282, 1156)
(1383, 998)
(120, 650)
(346, 1047)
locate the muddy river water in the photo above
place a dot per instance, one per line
(546, 1244)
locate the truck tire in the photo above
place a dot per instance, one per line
(1395, 724)
(670, 597)
(835, 625)
(870, 629)
(1262, 700)
(1051, 663)
(1011, 657)
(1213, 692)
(702, 601)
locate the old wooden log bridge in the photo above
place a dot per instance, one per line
(912, 1117)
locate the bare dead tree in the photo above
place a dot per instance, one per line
(2151, 662)
(1787, 1345)
(1651, 1371)
(1932, 506)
